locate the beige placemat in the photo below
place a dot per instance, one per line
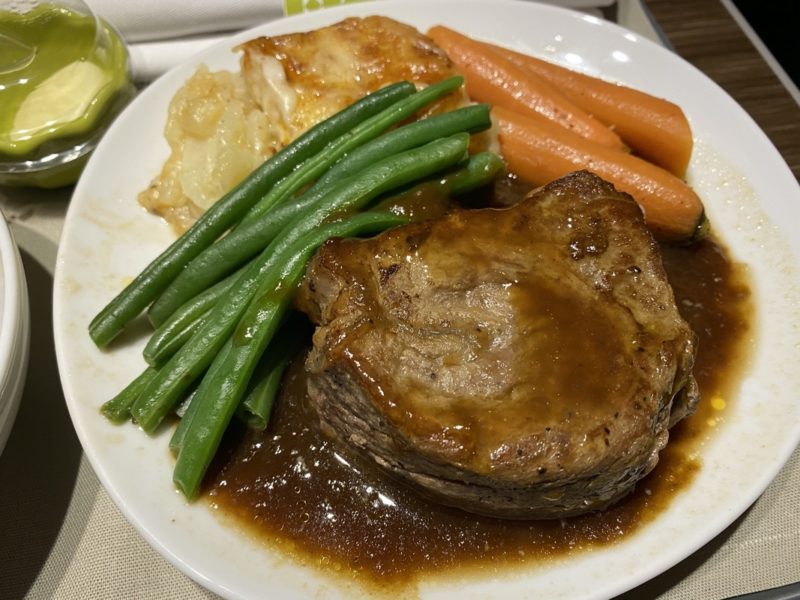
(61, 536)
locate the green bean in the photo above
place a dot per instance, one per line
(191, 407)
(158, 346)
(168, 340)
(183, 405)
(478, 170)
(254, 410)
(231, 251)
(472, 119)
(229, 210)
(481, 169)
(118, 408)
(253, 235)
(364, 131)
(219, 393)
(350, 194)
(176, 440)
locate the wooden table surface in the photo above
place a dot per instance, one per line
(704, 33)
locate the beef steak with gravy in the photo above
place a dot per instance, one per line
(524, 362)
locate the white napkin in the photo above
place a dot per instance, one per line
(163, 33)
(148, 20)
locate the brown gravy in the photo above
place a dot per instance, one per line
(295, 489)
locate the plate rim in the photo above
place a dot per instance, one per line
(330, 15)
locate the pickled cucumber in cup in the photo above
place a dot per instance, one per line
(64, 76)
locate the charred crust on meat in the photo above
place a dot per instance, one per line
(387, 272)
(415, 240)
(420, 366)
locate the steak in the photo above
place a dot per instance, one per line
(524, 362)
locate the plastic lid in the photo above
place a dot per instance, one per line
(61, 71)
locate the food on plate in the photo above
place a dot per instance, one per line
(222, 125)
(217, 134)
(261, 225)
(228, 339)
(320, 500)
(540, 152)
(524, 362)
(654, 128)
(370, 115)
(496, 80)
(539, 110)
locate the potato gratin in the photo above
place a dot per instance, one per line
(222, 125)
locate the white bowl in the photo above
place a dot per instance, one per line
(14, 330)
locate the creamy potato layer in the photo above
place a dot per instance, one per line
(218, 134)
(222, 125)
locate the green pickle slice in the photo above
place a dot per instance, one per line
(62, 75)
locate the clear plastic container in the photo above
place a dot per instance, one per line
(64, 76)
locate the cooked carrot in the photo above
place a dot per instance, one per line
(496, 80)
(656, 129)
(538, 152)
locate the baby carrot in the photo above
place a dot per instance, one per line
(495, 80)
(538, 152)
(656, 129)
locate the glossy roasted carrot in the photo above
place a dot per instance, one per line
(496, 80)
(539, 152)
(656, 129)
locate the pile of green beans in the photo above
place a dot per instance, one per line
(220, 296)
(227, 211)
(258, 230)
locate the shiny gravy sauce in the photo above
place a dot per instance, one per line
(296, 490)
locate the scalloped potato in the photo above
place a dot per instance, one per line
(222, 125)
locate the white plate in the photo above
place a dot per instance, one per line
(751, 197)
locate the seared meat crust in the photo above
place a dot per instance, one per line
(519, 362)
